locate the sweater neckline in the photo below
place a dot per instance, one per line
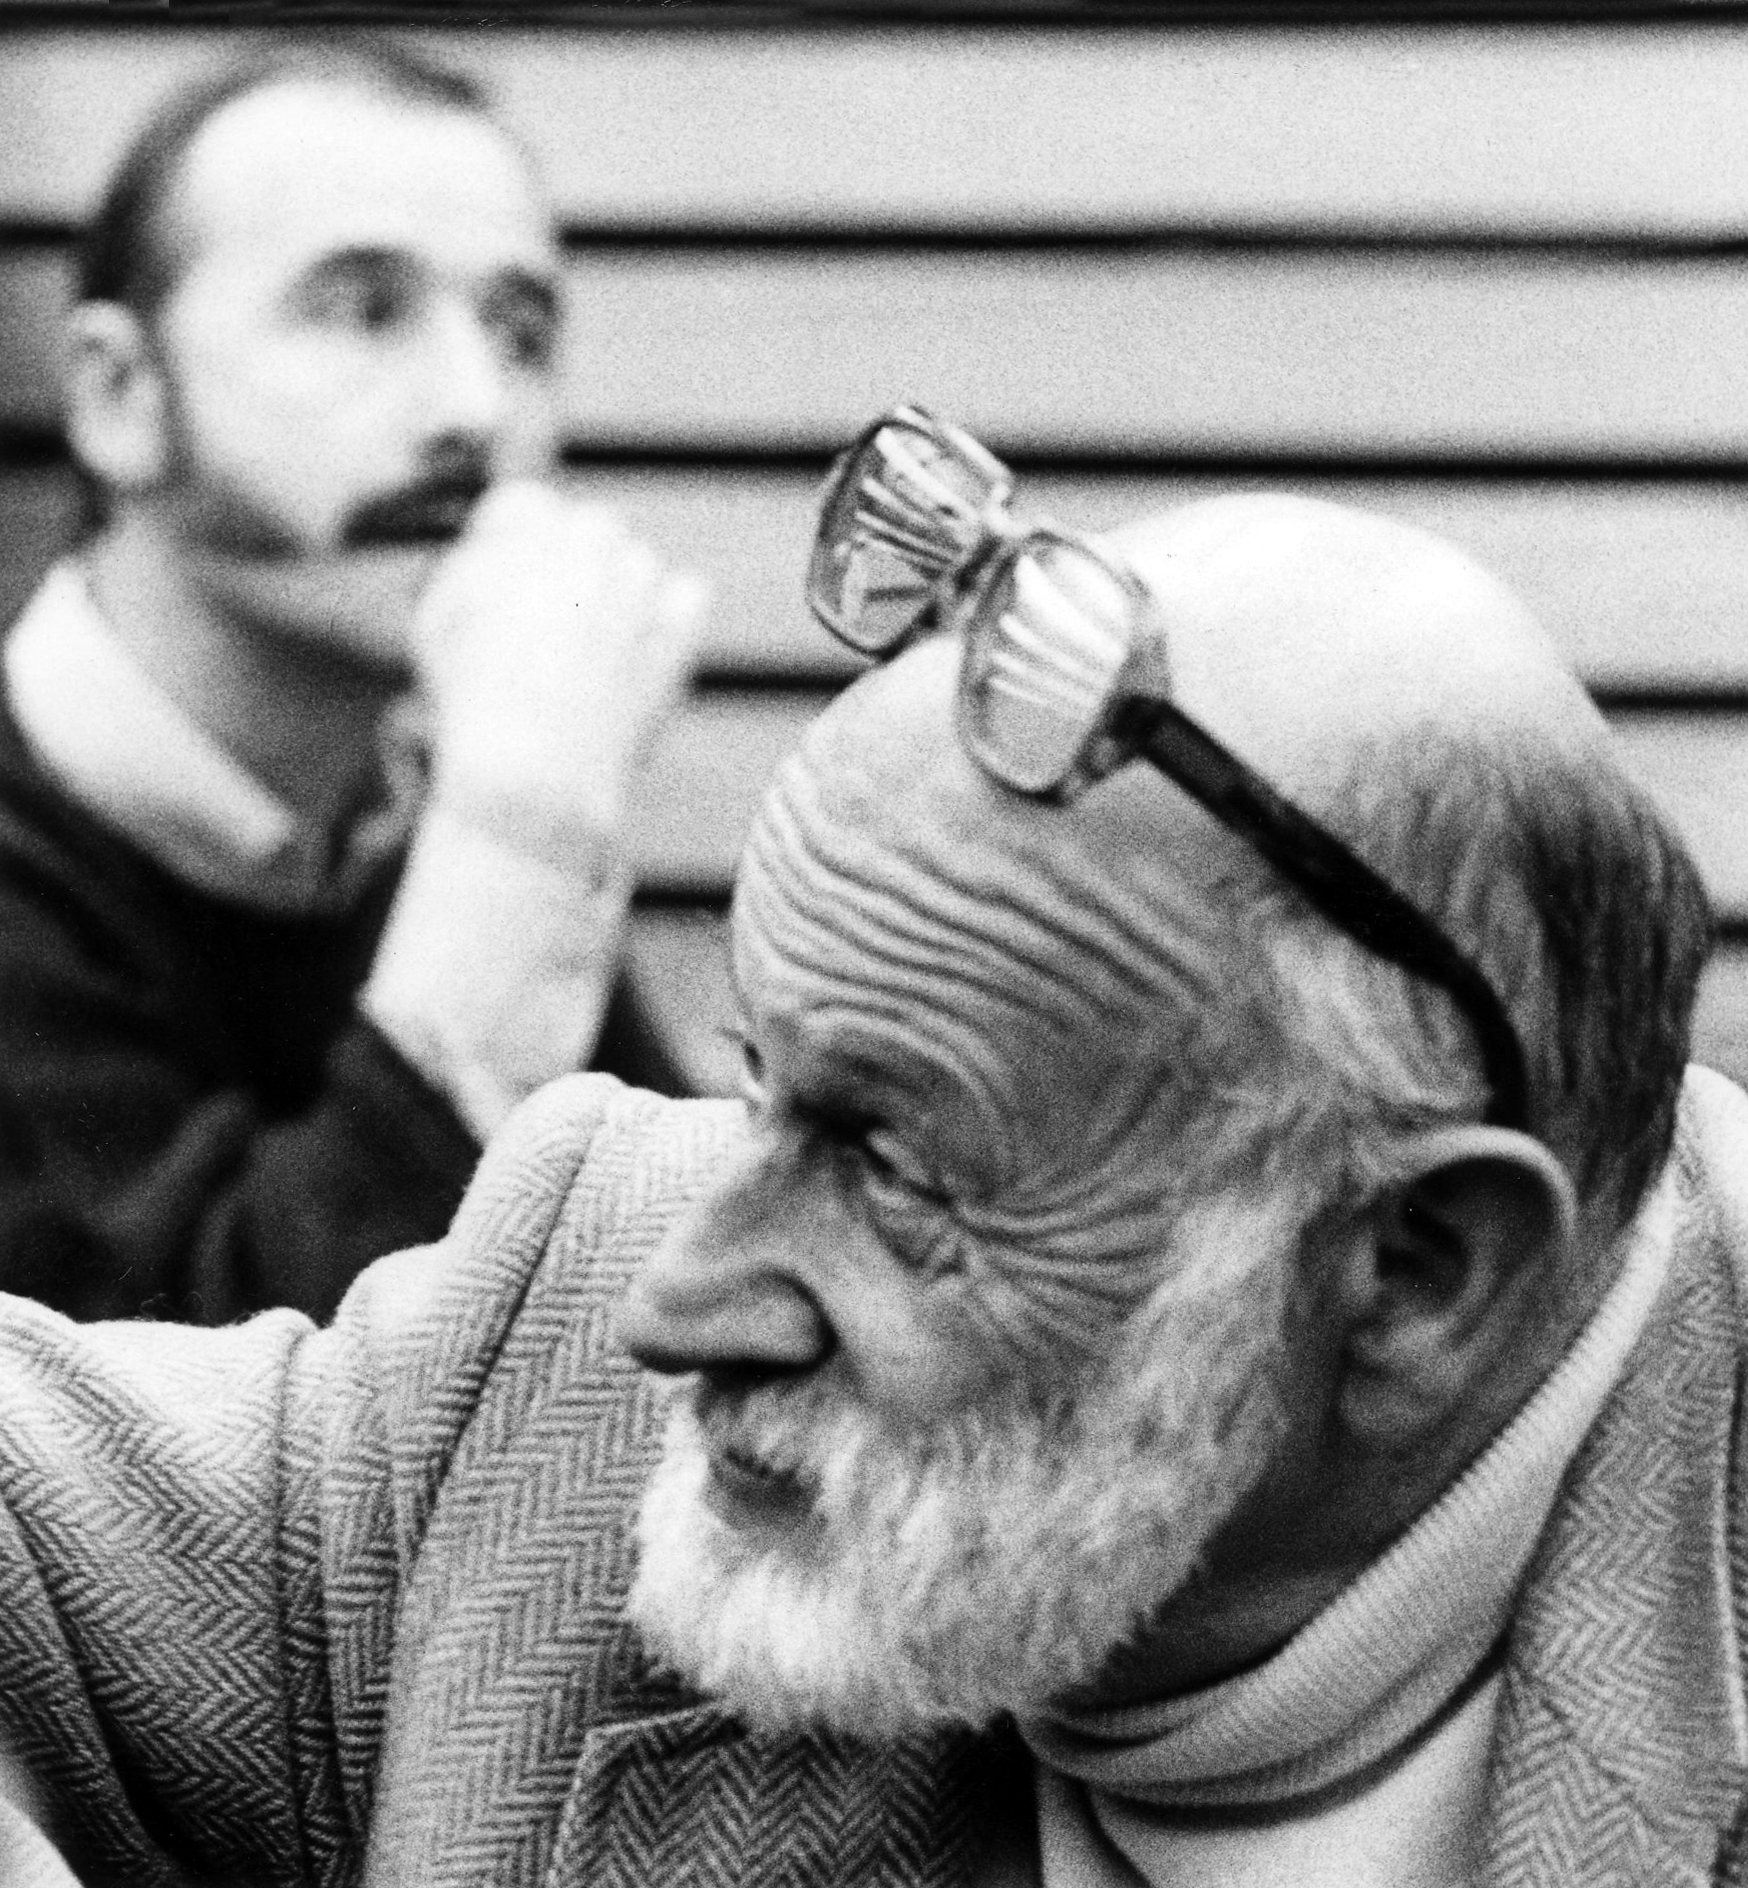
(123, 750)
(1377, 1664)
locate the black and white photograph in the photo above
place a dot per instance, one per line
(874, 944)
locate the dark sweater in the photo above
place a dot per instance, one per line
(195, 1122)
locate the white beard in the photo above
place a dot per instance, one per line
(990, 1564)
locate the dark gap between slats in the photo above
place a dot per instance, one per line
(24, 445)
(825, 16)
(1116, 239)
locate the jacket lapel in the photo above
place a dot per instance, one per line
(1622, 1750)
(692, 1796)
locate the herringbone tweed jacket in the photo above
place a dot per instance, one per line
(279, 1605)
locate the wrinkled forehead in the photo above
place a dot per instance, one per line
(887, 877)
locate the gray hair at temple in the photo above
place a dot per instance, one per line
(1576, 901)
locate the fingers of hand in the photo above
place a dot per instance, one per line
(681, 611)
(554, 619)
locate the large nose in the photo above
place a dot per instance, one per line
(466, 383)
(734, 1286)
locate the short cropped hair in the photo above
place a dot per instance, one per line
(129, 254)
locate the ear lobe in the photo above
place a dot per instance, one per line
(1445, 1282)
(115, 397)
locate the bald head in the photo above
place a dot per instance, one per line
(1390, 687)
(1302, 633)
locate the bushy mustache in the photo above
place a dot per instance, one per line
(434, 510)
(807, 1433)
(773, 1428)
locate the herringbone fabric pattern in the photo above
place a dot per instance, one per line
(344, 1608)
(219, 1550)
(509, 1619)
(693, 1798)
(1621, 1745)
(140, 1578)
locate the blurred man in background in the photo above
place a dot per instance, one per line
(313, 757)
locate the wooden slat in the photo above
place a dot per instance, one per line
(1720, 1024)
(34, 288)
(1162, 352)
(710, 768)
(1129, 352)
(1615, 131)
(704, 782)
(1696, 768)
(679, 960)
(682, 966)
(1641, 585)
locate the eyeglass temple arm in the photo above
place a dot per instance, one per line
(1339, 884)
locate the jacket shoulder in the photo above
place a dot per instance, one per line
(576, 1187)
(1711, 1156)
(511, 1639)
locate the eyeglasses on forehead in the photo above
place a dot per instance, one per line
(1065, 678)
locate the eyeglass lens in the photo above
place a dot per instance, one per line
(901, 513)
(1048, 637)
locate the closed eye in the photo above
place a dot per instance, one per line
(752, 1063)
(887, 1150)
(908, 1207)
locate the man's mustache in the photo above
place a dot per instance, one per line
(435, 510)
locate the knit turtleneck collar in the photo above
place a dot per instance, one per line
(1391, 1650)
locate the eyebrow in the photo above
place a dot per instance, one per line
(541, 289)
(359, 256)
(529, 284)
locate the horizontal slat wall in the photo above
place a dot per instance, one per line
(1489, 132)
(1138, 352)
(1490, 280)
(708, 772)
(1642, 584)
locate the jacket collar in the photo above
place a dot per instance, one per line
(1622, 1751)
(674, 1788)
(128, 752)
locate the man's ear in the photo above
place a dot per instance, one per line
(1446, 1286)
(115, 397)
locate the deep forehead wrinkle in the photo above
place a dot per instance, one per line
(982, 904)
(1038, 1055)
(974, 941)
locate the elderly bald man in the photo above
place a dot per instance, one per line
(1210, 1353)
